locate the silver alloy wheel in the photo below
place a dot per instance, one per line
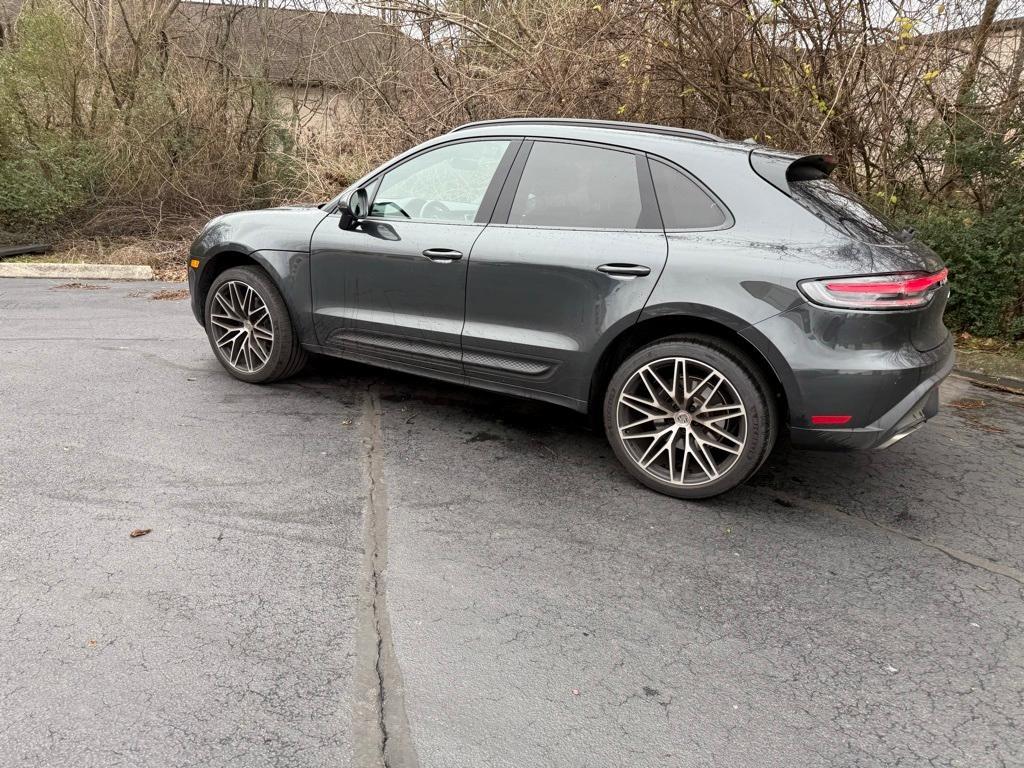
(242, 328)
(681, 421)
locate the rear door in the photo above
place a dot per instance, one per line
(574, 250)
(393, 290)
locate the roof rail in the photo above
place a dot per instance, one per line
(663, 130)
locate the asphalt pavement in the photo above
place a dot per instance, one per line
(358, 565)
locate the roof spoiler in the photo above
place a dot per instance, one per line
(779, 169)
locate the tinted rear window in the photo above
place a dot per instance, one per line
(841, 208)
(572, 185)
(684, 205)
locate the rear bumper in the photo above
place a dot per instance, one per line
(904, 418)
(863, 367)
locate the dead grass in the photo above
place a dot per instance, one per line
(966, 341)
(166, 257)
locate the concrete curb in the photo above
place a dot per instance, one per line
(76, 271)
(1001, 383)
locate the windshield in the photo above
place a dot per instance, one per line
(835, 204)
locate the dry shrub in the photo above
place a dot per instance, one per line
(166, 257)
(124, 132)
(882, 86)
(158, 114)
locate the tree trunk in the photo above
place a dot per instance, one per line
(988, 15)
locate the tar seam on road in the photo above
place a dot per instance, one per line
(954, 554)
(381, 737)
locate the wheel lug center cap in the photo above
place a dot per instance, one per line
(683, 418)
(248, 326)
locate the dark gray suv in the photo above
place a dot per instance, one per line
(695, 294)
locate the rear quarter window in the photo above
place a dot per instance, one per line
(841, 208)
(683, 204)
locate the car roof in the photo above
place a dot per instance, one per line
(642, 136)
(663, 130)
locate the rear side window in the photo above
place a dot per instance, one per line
(841, 208)
(684, 205)
(573, 185)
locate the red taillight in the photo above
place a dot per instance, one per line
(901, 291)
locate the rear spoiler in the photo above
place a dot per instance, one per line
(779, 168)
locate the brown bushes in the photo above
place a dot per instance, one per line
(157, 110)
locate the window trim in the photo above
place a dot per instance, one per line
(487, 202)
(730, 220)
(503, 207)
(648, 202)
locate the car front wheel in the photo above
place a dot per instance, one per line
(690, 417)
(249, 328)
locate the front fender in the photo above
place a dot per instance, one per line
(276, 240)
(276, 229)
(288, 269)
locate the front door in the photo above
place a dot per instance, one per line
(393, 290)
(571, 256)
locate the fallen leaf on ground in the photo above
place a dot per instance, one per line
(181, 293)
(966, 404)
(990, 428)
(139, 532)
(76, 286)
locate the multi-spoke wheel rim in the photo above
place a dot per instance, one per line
(682, 421)
(242, 328)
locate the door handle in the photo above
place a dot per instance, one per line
(624, 270)
(442, 255)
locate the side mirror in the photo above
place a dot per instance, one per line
(355, 210)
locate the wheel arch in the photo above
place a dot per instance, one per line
(231, 255)
(216, 264)
(653, 326)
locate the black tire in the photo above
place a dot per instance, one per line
(286, 356)
(746, 382)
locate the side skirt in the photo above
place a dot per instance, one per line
(579, 406)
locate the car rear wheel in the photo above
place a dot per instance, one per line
(249, 328)
(690, 417)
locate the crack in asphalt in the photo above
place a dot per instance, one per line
(958, 555)
(380, 725)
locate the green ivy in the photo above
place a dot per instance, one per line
(42, 185)
(979, 228)
(985, 254)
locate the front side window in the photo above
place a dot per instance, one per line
(684, 205)
(572, 185)
(444, 184)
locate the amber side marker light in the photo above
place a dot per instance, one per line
(194, 263)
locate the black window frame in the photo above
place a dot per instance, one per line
(649, 211)
(487, 202)
(728, 223)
